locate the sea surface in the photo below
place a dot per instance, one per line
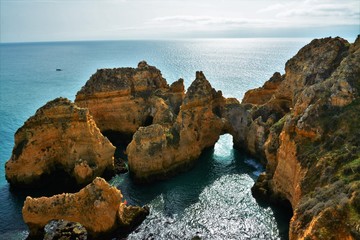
(212, 200)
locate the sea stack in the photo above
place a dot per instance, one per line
(60, 138)
(123, 99)
(158, 151)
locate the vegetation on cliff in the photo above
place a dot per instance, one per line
(313, 151)
(303, 125)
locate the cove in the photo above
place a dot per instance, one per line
(211, 201)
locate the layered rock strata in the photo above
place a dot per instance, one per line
(308, 134)
(123, 99)
(60, 137)
(304, 125)
(157, 151)
(98, 207)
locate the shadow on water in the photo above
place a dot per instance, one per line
(12, 200)
(183, 190)
(178, 193)
(283, 213)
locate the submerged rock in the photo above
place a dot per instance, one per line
(98, 207)
(120, 166)
(59, 138)
(65, 230)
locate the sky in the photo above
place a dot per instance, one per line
(74, 20)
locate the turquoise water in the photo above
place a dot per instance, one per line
(213, 199)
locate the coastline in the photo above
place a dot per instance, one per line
(336, 102)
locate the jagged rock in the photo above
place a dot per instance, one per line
(304, 125)
(263, 94)
(65, 230)
(123, 99)
(295, 90)
(98, 207)
(307, 67)
(131, 216)
(60, 137)
(157, 151)
(305, 162)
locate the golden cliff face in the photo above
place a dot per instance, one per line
(98, 207)
(263, 94)
(123, 99)
(157, 151)
(313, 151)
(304, 125)
(59, 137)
(288, 172)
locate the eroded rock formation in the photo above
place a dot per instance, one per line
(304, 125)
(98, 207)
(308, 133)
(60, 137)
(123, 99)
(157, 151)
(264, 94)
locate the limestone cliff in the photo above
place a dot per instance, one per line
(312, 146)
(303, 125)
(98, 207)
(157, 151)
(264, 94)
(123, 99)
(60, 137)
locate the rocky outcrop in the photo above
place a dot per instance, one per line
(303, 125)
(123, 99)
(98, 207)
(65, 230)
(264, 94)
(312, 147)
(157, 151)
(59, 138)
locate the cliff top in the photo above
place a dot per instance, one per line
(52, 111)
(115, 79)
(200, 88)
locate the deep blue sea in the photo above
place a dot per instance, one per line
(212, 200)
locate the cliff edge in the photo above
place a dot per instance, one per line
(311, 142)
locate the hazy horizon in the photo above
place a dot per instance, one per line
(91, 20)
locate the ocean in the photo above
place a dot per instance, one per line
(213, 199)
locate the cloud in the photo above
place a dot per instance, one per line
(271, 8)
(189, 20)
(322, 11)
(316, 12)
(58, 1)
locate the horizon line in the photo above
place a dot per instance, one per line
(172, 39)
